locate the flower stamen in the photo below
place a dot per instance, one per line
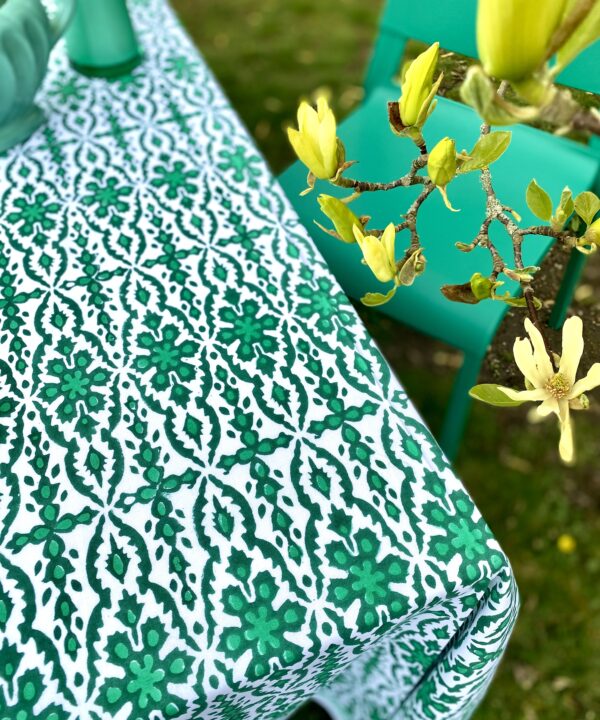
(558, 386)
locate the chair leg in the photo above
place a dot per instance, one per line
(459, 405)
(567, 289)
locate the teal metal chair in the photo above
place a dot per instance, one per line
(553, 161)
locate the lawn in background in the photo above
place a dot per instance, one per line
(268, 54)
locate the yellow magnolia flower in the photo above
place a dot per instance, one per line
(379, 253)
(441, 166)
(558, 392)
(315, 142)
(418, 88)
(513, 36)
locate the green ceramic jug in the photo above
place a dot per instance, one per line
(27, 35)
(101, 41)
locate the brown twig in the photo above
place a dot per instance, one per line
(546, 230)
(586, 121)
(411, 219)
(411, 178)
(496, 211)
(379, 232)
(529, 296)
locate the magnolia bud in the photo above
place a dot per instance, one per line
(343, 219)
(441, 165)
(418, 88)
(379, 252)
(513, 36)
(580, 403)
(482, 286)
(411, 268)
(315, 142)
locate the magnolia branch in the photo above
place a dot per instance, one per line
(411, 217)
(495, 211)
(586, 121)
(410, 223)
(411, 178)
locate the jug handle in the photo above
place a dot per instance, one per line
(62, 18)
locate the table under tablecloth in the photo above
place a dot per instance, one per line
(216, 500)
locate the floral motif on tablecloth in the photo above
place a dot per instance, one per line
(250, 328)
(75, 383)
(165, 357)
(148, 675)
(34, 212)
(264, 626)
(107, 196)
(367, 579)
(464, 534)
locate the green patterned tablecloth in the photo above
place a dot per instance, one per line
(216, 501)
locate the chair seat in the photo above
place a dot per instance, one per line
(554, 162)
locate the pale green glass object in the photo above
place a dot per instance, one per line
(27, 35)
(101, 41)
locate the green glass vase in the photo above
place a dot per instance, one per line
(101, 41)
(27, 35)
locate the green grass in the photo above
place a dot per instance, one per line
(267, 55)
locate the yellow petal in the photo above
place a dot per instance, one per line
(513, 35)
(566, 446)
(589, 382)
(320, 126)
(328, 145)
(311, 132)
(536, 395)
(430, 103)
(441, 165)
(540, 355)
(523, 353)
(587, 33)
(306, 153)
(376, 258)
(447, 202)
(417, 85)
(388, 240)
(549, 406)
(307, 117)
(322, 107)
(343, 219)
(572, 348)
(358, 234)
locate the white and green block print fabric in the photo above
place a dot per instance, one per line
(216, 501)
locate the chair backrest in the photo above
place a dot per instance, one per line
(452, 23)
